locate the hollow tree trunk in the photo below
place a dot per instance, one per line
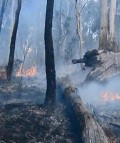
(89, 129)
(13, 40)
(104, 26)
(49, 55)
(3, 8)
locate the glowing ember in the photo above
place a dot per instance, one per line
(31, 72)
(110, 96)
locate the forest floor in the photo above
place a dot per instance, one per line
(32, 123)
(23, 118)
(108, 116)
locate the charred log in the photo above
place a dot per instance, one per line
(90, 130)
(103, 64)
(109, 67)
(115, 125)
(90, 59)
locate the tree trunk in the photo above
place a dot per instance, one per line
(3, 8)
(13, 40)
(11, 23)
(112, 24)
(49, 55)
(89, 129)
(104, 26)
(79, 26)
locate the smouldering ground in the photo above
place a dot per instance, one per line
(23, 119)
(32, 123)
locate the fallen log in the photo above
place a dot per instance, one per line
(90, 59)
(115, 125)
(90, 130)
(109, 67)
(103, 65)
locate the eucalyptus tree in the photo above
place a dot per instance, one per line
(2, 11)
(112, 17)
(49, 55)
(104, 25)
(107, 29)
(13, 41)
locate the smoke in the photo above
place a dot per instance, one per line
(92, 92)
(31, 30)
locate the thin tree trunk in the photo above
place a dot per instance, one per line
(104, 26)
(13, 40)
(79, 26)
(11, 23)
(49, 55)
(68, 7)
(3, 8)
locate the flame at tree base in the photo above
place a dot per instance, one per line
(31, 72)
(110, 96)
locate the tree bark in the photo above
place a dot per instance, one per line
(104, 26)
(11, 23)
(79, 26)
(89, 129)
(112, 17)
(13, 40)
(49, 55)
(3, 8)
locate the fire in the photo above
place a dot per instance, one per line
(31, 72)
(20, 72)
(110, 96)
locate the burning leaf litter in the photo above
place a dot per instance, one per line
(110, 96)
(30, 72)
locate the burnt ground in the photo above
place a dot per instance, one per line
(108, 116)
(23, 118)
(33, 123)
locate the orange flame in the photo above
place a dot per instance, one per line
(31, 72)
(20, 72)
(110, 96)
